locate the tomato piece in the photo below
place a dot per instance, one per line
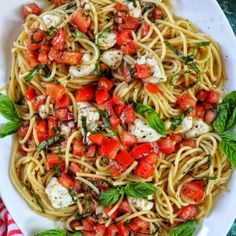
(89, 232)
(141, 150)
(75, 168)
(41, 130)
(52, 125)
(55, 91)
(88, 223)
(91, 151)
(128, 114)
(62, 114)
(118, 105)
(22, 131)
(102, 96)
(105, 83)
(112, 230)
(189, 142)
(53, 159)
(210, 116)
(100, 230)
(66, 181)
(115, 122)
(157, 13)
(202, 95)
(31, 8)
(116, 172)
(108, 107)
(137, 225)
(194, 190)
(124, 159)
(145, 29)
(64, 102)
(123, 230)
(58, 2)
(43, 54)
(166, 145)
(123, 37)
(121, 7)
(30, 94)
(152, 88)
(59, 40)
(97, 138)
(188, 212)
(130, 23)
(35, 37)
(199, 111)
(142, 71)
(32, 58)
(85, 93)
(146, 166)
(185, 101)
(126, 74)
(36, 102)
(124, 207)
(213, 97)
(81, 20)
(78, 148)
(176, 137)
(109, 148)
(129, 48)
(128, 139)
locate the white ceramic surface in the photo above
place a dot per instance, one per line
(208, 16)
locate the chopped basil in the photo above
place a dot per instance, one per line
(51, 32)
(48, 142)
(185, 229)
(57, 171)
(20, 101)
(85, 128)
(83, 216)
(33, 72)
(86, 203)
(173, 78)
(78, 35)
(209, 160)
(71, 5)
(105, 118)
(72, 194)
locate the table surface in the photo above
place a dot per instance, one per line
(229, 7)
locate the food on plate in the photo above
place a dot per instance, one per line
(121, 122)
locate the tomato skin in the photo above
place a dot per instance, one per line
(66, 180)
(177, 137)
(55, 91)
(75, 168)
(31, 8)
(88, 223)
(41, 130)
(137, 225)
(142, 71)
(129, 48)
(62, 114)
(43, 57)
(130, 23)
(124, 207)
(199, 111)
(145, 29)
(58, 2)
(194, 190)
(78, 148)
(102, 96)
(85, 94)
(116, 173)
(124, 159)
(53, 160)
(64, 102)
(157, 13)
(81, 21)
(123, 37)
(128, 139)
(126, 74)
(32, 58)
(35, 37)
(52, 124)
(185, 101)
(128, 114)
(112, 230)
(141, 151)
(59, 40)
(109, 148)
(123, 231)
(189, 142)
(91, 150)
(105, 83)
(22, 131)
(97, 138)
(152, 88)
(121, 7)
(213, 97)
(210, 116)
(188, 212)
(202, 95)
(115, 122)
(100, 230)
(30, 94)
(166, 145)
(118, 105)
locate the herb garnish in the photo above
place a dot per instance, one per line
(57, 171)
(78, 35)
(33, 72)
(72, 194)
(48, 142)
(59, 232)
(85, 128)
(105, 118)
(185, 229)
(20, 100)
(51, 32)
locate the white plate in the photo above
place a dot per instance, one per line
(208, 16)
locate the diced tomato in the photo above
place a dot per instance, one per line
(62, 114)
(124, 207)
(145, 28)
(35, 37)
(124, 159)
(64, 102)
(31, 8)
(88, 223)
(23, 131)
(194, 190)
(53, 159)
(142, 71)
(199, 111)
(91, 151)
(89, 232)
(118, 105)
(78, 148)
(129, 48)
(166, 145)
(178, 137)
(115, 122)
(123, 37)
(128, 139)
(157, 13)
(30, 94)
(32, 58)
(58, 2)
(126, 74)
(55, 91)
(128, 114)
(189, 142)
(41, 130)
(36, 102)
(75, 168)
(109, 148)
(85, 93)
(185, 101)
(52, 125)
(97, 138)
(116, 173)
(123, 230)
(213, 97)
(210, 116)
(112, 230)
(152, 88)
(66, 180)
(121, 7)
(130, 23)
(137, 225)
(43, 57)
(102, 96)
(207, 106)
(59, 40)
(120, 17)
(100, 230)
(81, 20)
(141, 150)
(108, 107)
(105, 83)
(146, 166)
(202, 95)
(188, 212)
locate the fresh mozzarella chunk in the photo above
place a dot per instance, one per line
(65, 130)
(51, 20)
(199, 128)
(167, 124)
(141, 203)
(83, 69)
(43, 111)
(106, 40)
(58, 194)
(186, 125)
(86, 5)
(134, 8)
(112, 58)
(157, 76)
(143, 132)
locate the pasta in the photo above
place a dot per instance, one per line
(164, 82)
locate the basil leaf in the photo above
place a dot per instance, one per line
(10, 128)
(82, 216)
(72, 194)
(231, 98)
(230, 135)
(105, 118)
(51, 32)
(48, 142)
(141, 108)
(20, 100)
(85, 128)
(176, 76)
(86, 203)
(175, 50)
(33, 72)
(232, 120)
(57, 171)
(142, 190)
(59, 232)
(185, 229)
(155, 122)
(228, 147)
(110, 197)
(71, 5)
(78, 35)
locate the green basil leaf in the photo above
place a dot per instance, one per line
(82, 216)
(20, 100)
(48, 142)
(231, 120)
(219, 123)
(86, 203)
(59, 232)
(110, 197)
(155, 122)
(105, 118)
(51, 32)
(85, 128)
(33, 72)
(142, 190)
(57, 171)
(10, 128)
(230, 135)
(228, 147)
(78, 35)
(231, 98)
(185, 229)
(141, 108)
(175, 50)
